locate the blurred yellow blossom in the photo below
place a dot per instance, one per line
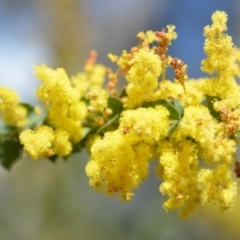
(38, 143)
(61, 144)
(92, 75)
(11, 111)
(65, 110)
(45, 142)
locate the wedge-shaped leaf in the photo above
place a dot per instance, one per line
(108, 124)
(237, 135)
(174, 124)
(77, 147)
(4, 129)
(123, 93)
(116, 105)
(174, 114)
(208, 101)
(53, 158)
(175, 109)
(9, 152)
(178, 107)
(35, 119)
(84, 99)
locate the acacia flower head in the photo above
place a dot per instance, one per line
(142, 77)
(12, 113)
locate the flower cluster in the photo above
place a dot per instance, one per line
(11, 111)
(190, 127)
(119, 162)
(195, 160)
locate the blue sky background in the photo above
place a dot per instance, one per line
(107, 26)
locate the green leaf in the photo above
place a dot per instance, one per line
(4, 129)
(9, 152)
(175, 109)
(80, 145)
(77, 148)
(108, 124)
(237, 135)
(176, 103)
(116, 105)
(123, 93)
(53, 158)
(174, 114)
(174, 124)
(84, 99)
(208, 101)
(34, 118)
(204, 101)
